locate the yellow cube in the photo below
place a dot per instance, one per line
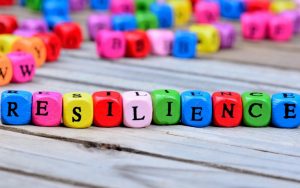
(6, 42)
(77, 110)
(182, 11)
(208, 38)
(282, 5)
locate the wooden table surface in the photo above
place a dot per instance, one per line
(157, 156)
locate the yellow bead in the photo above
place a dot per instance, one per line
(282, 5)
(182, 11)
(6, 42)
(208, 37)
(77, 110)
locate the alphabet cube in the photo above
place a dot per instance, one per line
(207, 12)
(99, 4)
(77, 5)
(77, 110)
(6, 42)
(208, 38)
(295, 17)
(166, 107)
(34, 25)
(196, 108)
(227, 35)
(137, 109)
(184, 45)
(285, 110)
(254, 26)
(182, 11)
(257, 5)
(281, 6)
(124, 6)
(257, 109)
(161, 41)
(8, 24)
(280, 28)
(108, 109)
(124, 22)
(164, 14)
(34, 5)
(6, 70)
(23, 66)
(232, 9)
(228, 109)
(70, 35)
(143, 5)
(111, 44)
(46, 108)
(137, 44)
(51, 8)
(96, 23)
(24, 33)
(16, 107)
(6, 2)
(146, 20)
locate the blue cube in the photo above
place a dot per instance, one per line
(16, 107)
(164, 14)
(124, 22)
(99, 4)
(286, 110)
(196, 108)
(184, 44)
(232, 9)
(53, 8)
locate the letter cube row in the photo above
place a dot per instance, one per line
(138, 109)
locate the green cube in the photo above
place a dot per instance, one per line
(257, 109)
(166, 107)
(34, 5)
(146, 20)
(143, 5)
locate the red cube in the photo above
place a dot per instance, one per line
(257, 5)
(6, 2)
(137, 44)
(8, 24)
(70, 35)
(108, 109)
(52, 44)
(227, 109)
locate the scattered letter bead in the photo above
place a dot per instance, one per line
(286, 110)
(100, 4)
(6, 43)
(279, 6)
(8, 24)
(182, 11)
(227, 35)
(16, 107)
(146, 20)
(96, 23)
(124, 22)
(280, 28)
(23, 66)
(6, 70)
(34, 25)
(166, 107)
(143, 5)
(164, 14)
(254, 26)
(111, 44)
(232, 9)
(257, 109)
(196, 109)
(137, 109)
(46, 108)
(161, 41)
(137, 44)
(227, 109)
(123, 6)
(207, 12)
(70, 35)
(257, 5)
(108, 109)
(184, 45)
(77, 110)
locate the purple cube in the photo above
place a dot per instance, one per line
(96, 23)
(227, 34)
(24, 33)
(77, 5)
(294, 15)
(34, 25)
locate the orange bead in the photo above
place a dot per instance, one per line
(6, 70)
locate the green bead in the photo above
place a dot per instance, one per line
(146, 20)
(34, 5)
(143, 5)
(166, 107)
(256, 109)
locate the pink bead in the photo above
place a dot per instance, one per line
(24, 33)
(207, 12)
(254, 26)
(23, 66)
(96, 23)
(280, 28)
(161, 41)
(123, 6)
(110, 44)
(137, 109)
(295, 18)
(34, 25)
(46, 109)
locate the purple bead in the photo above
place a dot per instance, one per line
(24, 33)
(227, 34)
(34, 25)
(77, 5)
(97, 22)
(295, 17)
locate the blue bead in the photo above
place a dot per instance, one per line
(52, 8)
(286, 110)
(100, 4)
(16, 107)
(184, 45)
(124, 22)
(164, 14)
(232, 9)
(196, 108)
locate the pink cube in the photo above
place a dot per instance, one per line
(294, 15)
(161, 41)
(96, 23)
(110, 44)
(207, 12)
(23, 66)
(123, 6)
(77, 5)
(46, 108)
(280, 28)
(34, 25)
(137, 109)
